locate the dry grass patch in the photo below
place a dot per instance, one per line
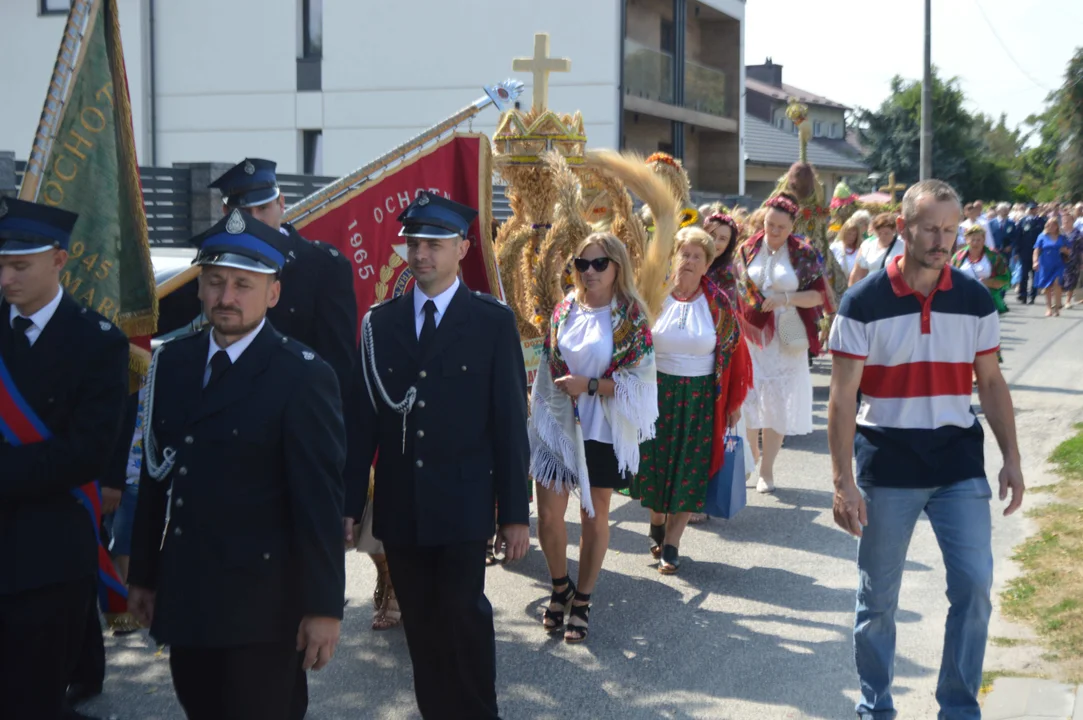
(1049, 594)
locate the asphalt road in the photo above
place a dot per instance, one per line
(756, 625)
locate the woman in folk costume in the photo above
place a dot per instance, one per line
(985, 265)
(782, 296)
(704, 374)
(724, 232)
(595, 398)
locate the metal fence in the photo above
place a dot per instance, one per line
(167, 196)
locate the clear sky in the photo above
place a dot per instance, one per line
(849, 51)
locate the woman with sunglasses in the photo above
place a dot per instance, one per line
(589, 413)
(704, 374)
(776, 274)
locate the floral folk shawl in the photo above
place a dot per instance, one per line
(557, 457)
(726, 280)
(1000, 271)
(810, 276)
(732, 368)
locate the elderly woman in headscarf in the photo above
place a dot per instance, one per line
(985, 265)
(782, 295)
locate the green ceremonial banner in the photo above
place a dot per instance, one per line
(83, 160)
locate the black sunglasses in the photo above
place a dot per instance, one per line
(599, 264)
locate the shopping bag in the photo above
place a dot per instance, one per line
(726, 490)
(1017, 270)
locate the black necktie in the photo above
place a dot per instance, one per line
(428, 328)
(21, 325)
(220, 362)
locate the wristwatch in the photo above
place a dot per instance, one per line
(592, 387)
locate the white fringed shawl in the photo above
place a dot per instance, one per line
(557, 456)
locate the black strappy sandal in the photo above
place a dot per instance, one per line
(553, 620)
(578, 633)
(657, 536)
(671, 561)
(490, 553)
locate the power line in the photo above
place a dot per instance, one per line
(1007, 52)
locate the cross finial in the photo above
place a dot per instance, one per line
(891, 188)
(541, 65)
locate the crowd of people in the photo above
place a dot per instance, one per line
(318, 443)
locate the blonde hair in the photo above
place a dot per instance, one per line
(754, 224)
(624, 286)
(849, 225)
(699, 237)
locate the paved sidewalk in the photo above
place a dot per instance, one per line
(1033, 699)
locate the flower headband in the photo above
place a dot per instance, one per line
(783, 203)
(723, 219)
(664, 158)
(975, 229)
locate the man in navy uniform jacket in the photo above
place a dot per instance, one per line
(65, 376)
(446, 409)
(237, 559)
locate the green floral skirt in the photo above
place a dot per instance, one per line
(675, 466)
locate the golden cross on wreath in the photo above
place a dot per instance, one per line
(891, 188)
(541, 65)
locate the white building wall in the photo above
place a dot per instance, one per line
(226, 72)
(30, 43)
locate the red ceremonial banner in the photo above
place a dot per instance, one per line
(363, 224)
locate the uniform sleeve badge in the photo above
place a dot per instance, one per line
(308, 355)
(104, 326)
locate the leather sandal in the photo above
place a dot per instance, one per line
(671, 561)
(577, 631)
(553, 620)
(657, 536)
(389, 615)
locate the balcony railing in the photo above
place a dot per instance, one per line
(705, 89)
(648, 73)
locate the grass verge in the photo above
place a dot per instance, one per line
(1049, 594)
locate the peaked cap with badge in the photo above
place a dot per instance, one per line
(240, 241)
(434, 217)
(27, 228)
(250, 183)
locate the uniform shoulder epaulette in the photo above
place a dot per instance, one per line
(491, 300)
(327, 248)
(99, 321)
(297, 348)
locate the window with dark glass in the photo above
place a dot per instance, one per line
(313, 152)
(312, 28)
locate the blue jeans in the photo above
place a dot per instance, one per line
(959, 515)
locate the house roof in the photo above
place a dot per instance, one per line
(767, 145)
(786, 92)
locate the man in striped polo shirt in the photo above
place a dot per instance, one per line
(910, 337)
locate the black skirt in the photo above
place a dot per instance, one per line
(602, 466)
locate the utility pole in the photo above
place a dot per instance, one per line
(927, 98)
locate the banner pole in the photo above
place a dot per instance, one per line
(68, 60)
(502, 96)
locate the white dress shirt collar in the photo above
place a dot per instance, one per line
(442, 301)
(39, 319)
(234, 351)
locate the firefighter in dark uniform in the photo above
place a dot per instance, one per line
(317, 307)
(445, 406)
(62, 393)
(236, 548)
(1030, 226)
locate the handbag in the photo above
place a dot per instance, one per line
(726, 489)
(791, 331)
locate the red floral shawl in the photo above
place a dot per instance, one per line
(732, 370)
(809, 267)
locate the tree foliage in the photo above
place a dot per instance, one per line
(982, 157)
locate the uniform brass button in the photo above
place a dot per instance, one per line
(177, 531)
(421, 433)
(235, 432)
(189, 440)
(464, 368)
(391, 370)
(293, 310)
(420, 463)
(421, 403)
(180, 502)
(285, 339)
(183, 471)
(266, 556)
(423, 374)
